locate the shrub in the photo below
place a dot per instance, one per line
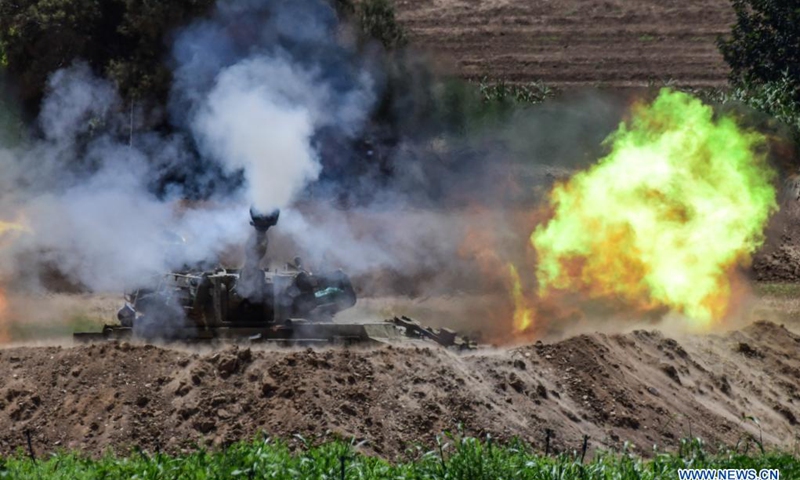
(376, 19)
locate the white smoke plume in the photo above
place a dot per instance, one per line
(85, 199)
(266, 128)
(257, 87)
(246, 124)
(86, 181)
(259, 111)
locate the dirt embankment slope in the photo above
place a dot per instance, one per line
(779, 259)
(640, 387)
(620, 43)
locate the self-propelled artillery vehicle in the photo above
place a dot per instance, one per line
(289, 306)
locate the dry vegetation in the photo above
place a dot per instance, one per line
(615, 43)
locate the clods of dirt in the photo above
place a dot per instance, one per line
(641, 387)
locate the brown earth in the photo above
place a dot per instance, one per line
(619, 43)
(641, 387)
(779, 259)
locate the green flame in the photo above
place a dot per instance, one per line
(681, 200)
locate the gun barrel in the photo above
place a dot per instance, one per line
(263, 221)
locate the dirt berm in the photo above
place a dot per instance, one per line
(640, 387)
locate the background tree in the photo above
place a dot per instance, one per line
(764, 45)
(40, 36)
(763, 51)
(127, 40)
(121, 39)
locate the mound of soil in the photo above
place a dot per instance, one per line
(640, 387)
(779, 259)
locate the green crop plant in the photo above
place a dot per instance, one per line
(453, 458)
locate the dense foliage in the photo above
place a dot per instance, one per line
(763, 51)
(123, 39)
(126, 40)
(456, 458)
(764, 45)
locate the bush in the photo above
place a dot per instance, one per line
(530, 93)
(376, 19)
(763, 51)
(772, 106)
(778, 99)
(10, 120)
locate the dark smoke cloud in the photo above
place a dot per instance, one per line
(275, 105)
(104, 198)
(85, 195)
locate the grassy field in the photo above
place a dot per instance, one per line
(466, 458)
